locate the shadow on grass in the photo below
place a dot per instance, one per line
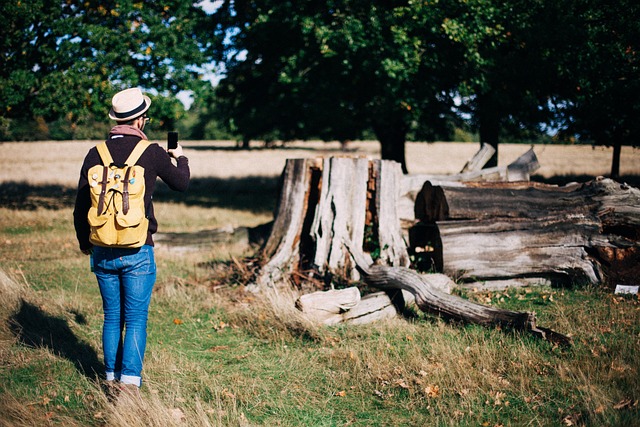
(255, 194)
(35, 328)
(263, 147)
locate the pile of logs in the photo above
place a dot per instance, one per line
(341, 222)
(352, 219)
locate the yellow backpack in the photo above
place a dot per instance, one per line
(117, 215)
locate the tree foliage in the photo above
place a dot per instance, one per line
(333, 69)
(602, 63)
(65, 59)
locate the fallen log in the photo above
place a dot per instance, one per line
(503, 231)
(346, 306)
(519, 170)
(447, 306)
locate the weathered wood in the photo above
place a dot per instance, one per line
(346, 306)
(448, 306)
(282, 247)
(393, 250)
(324, 202)
(557, 250)
(518, 170)
(479, 159)
(340, 213)
(327, 307)
(503, 231)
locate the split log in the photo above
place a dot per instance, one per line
(479, 159)
(518, 170)
(346, 306)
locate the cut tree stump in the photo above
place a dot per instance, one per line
(326, 201)
(498, 232)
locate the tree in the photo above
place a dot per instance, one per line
(602, 62)
(510, 72)
(65, 59)
(333, 69)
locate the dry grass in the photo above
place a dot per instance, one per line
(219, 356)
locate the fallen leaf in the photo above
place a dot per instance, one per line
(218, 348)
(432, 390)
(625, 403)
(401, 383)
(177, 321)
(341, 393)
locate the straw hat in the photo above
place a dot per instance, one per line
(128, 104)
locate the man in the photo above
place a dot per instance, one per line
(126, 275)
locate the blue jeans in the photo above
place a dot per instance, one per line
(126, 278)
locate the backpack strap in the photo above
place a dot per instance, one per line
(104, 153)
(137, 152)
(106, 158)
(131, 161)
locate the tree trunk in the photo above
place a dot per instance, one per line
(489, 120)
(615, 161)
(392, 134)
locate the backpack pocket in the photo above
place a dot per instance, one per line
(102, 230)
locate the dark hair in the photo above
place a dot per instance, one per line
(130, 121)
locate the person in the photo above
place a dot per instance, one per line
(126, 276)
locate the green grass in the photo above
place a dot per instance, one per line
(219, 356)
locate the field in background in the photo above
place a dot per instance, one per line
(219, 356)
(57, 163)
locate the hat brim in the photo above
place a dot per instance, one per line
(133, 114)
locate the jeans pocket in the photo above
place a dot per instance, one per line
(145, 261)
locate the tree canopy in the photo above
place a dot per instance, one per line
(65, 59)
(331, 69)
(334, 69)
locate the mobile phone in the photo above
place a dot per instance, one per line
(172, 140)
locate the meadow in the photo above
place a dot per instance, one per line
(220, 356)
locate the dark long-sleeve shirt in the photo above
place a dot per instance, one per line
(156, 163)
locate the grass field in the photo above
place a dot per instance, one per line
(222, 357)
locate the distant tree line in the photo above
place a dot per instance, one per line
(393, 70)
